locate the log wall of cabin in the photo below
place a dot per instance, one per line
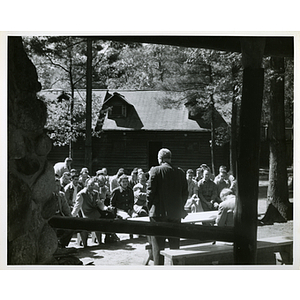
(131, 149)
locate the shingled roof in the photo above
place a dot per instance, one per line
(149, 113)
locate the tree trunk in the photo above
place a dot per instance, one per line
(212, 146)
(234, 122)
(212, 125)
(71, 105)
(88, 141)
(279, 209)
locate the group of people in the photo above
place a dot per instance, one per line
(100, 196)
(205, 189)
(164, 193)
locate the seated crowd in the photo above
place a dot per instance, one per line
(124, 196)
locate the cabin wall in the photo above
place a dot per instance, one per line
(131, 149)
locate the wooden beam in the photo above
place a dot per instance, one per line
(190, 231)
(282, 46)
(248, 153)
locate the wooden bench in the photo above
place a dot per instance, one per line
(221, 253)
(183, 242)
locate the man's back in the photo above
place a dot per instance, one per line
(167, 190)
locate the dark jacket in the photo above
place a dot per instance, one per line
(122, 199)
(167, 192)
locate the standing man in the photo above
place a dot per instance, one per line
(167, 193)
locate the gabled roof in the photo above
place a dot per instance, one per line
(148, 113)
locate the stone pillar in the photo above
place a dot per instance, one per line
(30, 177)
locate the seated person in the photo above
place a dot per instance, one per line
(114, 183)
(207, 192)
(64, 180)
(193, 203)
(227, 177)
(199, 174)
(133, 179)
(71, 190)
(90, 205)
(221, 182)
(83, 177)
(226, 208)
(63, 209)
(122, 198)
(106, 212)
(103, 190)
(140, 208)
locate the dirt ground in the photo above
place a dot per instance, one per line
(132, 253)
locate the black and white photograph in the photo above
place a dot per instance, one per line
(140, 151)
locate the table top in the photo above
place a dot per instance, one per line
(204, 216)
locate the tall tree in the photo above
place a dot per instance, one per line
(61, 63)
(279, 209)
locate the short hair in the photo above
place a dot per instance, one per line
(68, 159)
(123, 176)
(73, 170)
(164, 153)
(84, 170)
(225, 192)
(204, 166)
(223, 167)
(99, 172)
(189, 171)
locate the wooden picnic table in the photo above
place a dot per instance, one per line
(204, 216)
(192, 218)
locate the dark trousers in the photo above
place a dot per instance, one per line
(64, 237)
(159, 242)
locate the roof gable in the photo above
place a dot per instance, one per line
(146, 112)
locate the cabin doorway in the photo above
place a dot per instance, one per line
(153, 149)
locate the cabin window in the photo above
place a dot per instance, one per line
(118, 111)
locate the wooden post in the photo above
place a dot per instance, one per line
(248, 152)
(88, 141)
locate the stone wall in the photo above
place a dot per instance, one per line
(30, 177)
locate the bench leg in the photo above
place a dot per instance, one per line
(146, 260)
(286, 256)
(170, 262)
